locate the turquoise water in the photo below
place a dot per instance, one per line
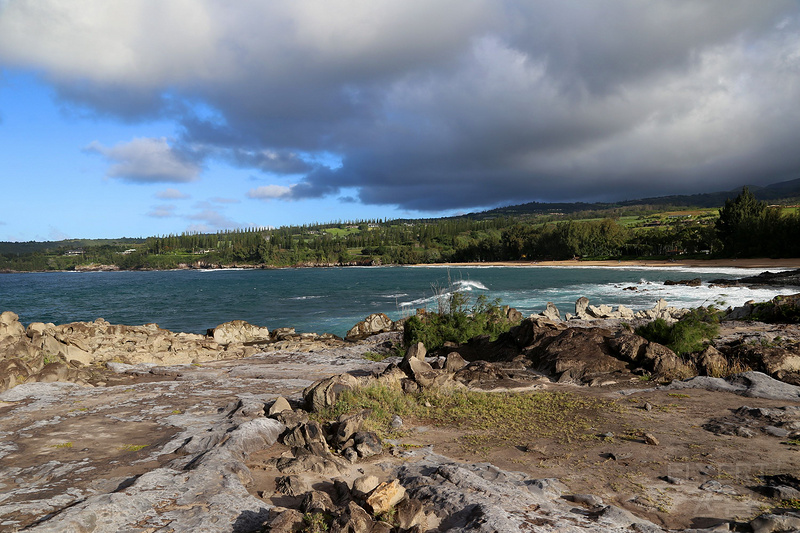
(333, 299)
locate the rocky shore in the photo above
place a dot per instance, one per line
(135, 428)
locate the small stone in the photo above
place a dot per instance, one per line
(650, 439)
(350, 454)
(396, 422)
(672, 480)
(590, 500)
(648, 406)
(281, 404)
(745, 432)
(776, 431)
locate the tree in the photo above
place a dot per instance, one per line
(739, 220)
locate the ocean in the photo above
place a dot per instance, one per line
(332, 300)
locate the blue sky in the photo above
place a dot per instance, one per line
(143, 117)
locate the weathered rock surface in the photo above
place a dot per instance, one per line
(372, 325)
(76, 351)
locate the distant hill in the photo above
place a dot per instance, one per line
(49, 246)
(785, 191)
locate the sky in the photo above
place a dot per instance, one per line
(149, 117)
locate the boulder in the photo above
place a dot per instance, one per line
(278, 406)
(239, 331)
(411, 513)
(454, 362)
(291, 485)
(10, 325)
(354, 519)
(710, 362)
(364, 485)
(367, 444)
(664, 363)
(629, 346)
(581, 305)
(551, 313)
(349, 426)
(625, 312)
(602, 311)
(385, 496)
(576, 354)
(417, 350)
(372, 325)
(323, 393)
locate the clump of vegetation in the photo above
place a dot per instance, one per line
(133, 447)
(457, 321)
(316, 522)
(377, 357)
(63, 445)
(687, 335)
(491, 418)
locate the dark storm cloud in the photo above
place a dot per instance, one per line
(440, 105)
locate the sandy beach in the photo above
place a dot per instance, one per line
(765, 263)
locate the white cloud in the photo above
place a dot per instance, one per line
(171, 194)
(146, 160)
(213, 219)
(269, 192)
(162, 211)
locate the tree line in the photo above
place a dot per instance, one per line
(746, 227)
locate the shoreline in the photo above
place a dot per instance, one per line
(765, 263)
(757, 263)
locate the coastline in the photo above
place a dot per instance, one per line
(765, 263)
(753, 263)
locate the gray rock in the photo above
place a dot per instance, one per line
(367, 444)
(551, 313)
(397, 422)
(291, 485)
(769, 523)
(776, 432)
(317, 501)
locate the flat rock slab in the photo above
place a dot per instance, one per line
(63, 444)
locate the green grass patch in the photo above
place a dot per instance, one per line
(490, 419)
(63, 445)
(133, 447)
(374, 356)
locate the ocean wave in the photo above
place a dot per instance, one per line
(399, 295)
(467, 285)
(304, 297)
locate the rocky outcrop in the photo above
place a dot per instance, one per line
(238, 331)
(585, 311)
(781, 309)
(71, 352)
(372, 325)
(789, 278)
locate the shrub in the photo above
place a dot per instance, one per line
(685, 336)
(457, 322)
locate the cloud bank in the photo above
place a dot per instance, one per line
(144, 160)
(433, 105)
